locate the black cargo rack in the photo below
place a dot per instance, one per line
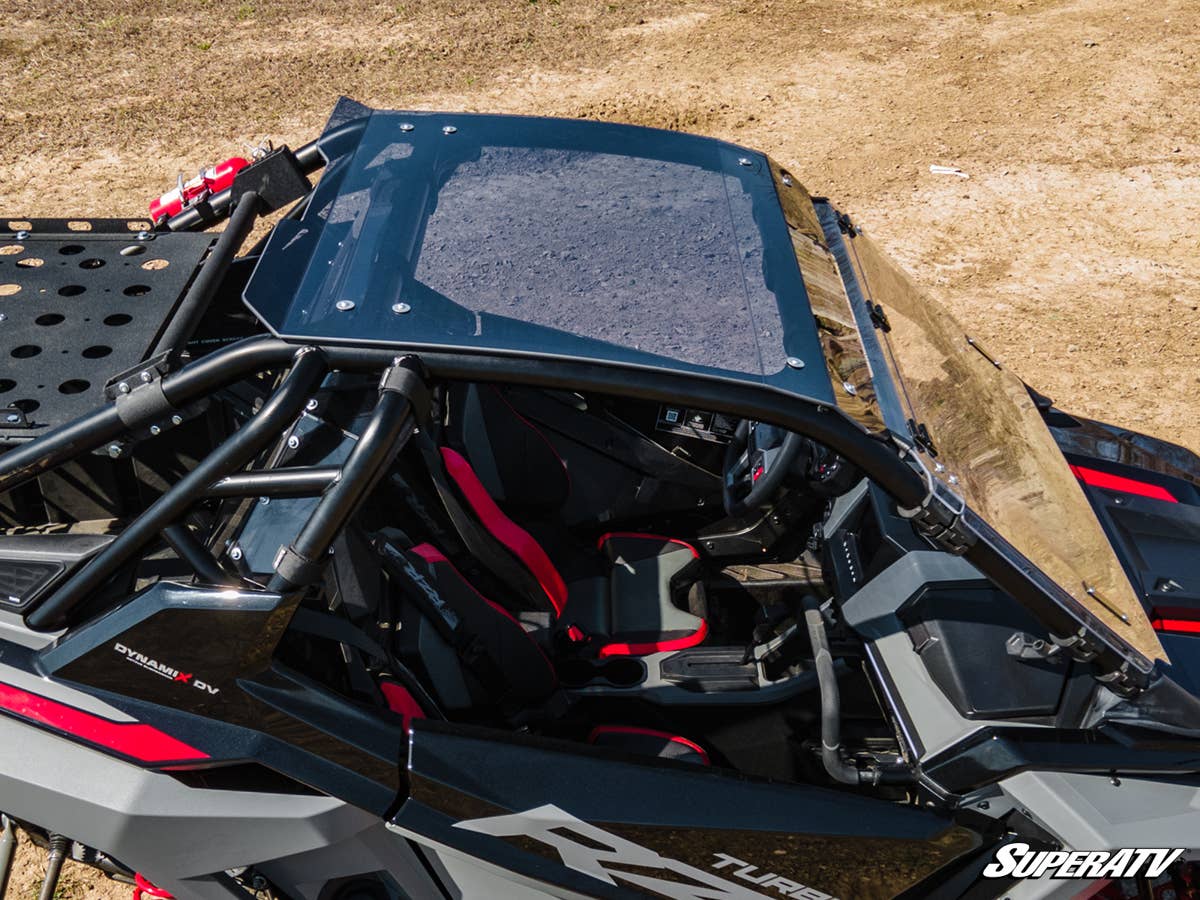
(81, 300)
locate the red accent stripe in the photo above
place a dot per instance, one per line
(601, 730)
(399, 700)
(1179, 626)
(604, 538)
(133, 739)
(505, 530)
(682, 643)
(142, 885)
(1108, 482)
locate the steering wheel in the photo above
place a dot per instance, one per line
(756, 461)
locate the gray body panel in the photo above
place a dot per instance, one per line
(178, 835)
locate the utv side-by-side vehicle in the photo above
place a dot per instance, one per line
(547, 508)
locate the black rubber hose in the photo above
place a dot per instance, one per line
(831, 701)
(839, 769)
(200, 295)
(242, 446)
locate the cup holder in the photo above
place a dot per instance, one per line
(618, 671)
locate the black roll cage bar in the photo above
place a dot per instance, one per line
(342, 489)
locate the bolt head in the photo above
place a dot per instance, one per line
(146, 377)
(953, 479)
(235, 553)
(144, 236)
(795, 362)
(311, 405)
(156, 429)
(176, 420)
(123, 388)
(400, 308)
(14, 418)
(787, 180)
(448, 129)
(115, 450)
(293, 442)
(3, 317)
(264, 500)
(344, 305)
(22, 235)
(745, 161)
(407, 126)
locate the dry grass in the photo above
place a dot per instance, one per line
(1071, 250)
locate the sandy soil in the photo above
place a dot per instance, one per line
(1070, 250)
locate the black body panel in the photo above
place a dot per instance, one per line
(663, 820)
(961, 635)
(235, 702)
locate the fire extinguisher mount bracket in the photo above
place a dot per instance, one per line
(277, 178)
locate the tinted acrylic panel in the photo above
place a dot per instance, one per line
(540, 236)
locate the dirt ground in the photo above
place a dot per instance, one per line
(1071, 251)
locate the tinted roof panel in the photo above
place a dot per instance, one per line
(555, 237)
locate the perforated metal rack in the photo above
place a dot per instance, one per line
(81, 300)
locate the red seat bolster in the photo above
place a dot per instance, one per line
(519, 541)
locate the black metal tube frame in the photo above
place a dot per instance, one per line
(385, 434)
(199, 296)
(308, 368)
(189, 548)
(877, 459)
(295, 482)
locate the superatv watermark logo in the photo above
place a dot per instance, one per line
(168, 672)
(606, 857)
(1018, 860)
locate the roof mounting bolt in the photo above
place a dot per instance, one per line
(144, 236)
(146, 377)
(407, 126)
(293, 442)
(401, 308)
(235, 552)
(177, 419)
(3, 317)
(953, 479)
(745, 161)
(123, 387)
(311, 404)
(449, 129)
(344, 305)
(264, 500)
(795, 362)
(787, 180)
(22, 235)
(115, 450)
(13, 418)
(939, 467)
(156, 430)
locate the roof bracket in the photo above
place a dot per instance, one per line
(921, 437)
(879, 317)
